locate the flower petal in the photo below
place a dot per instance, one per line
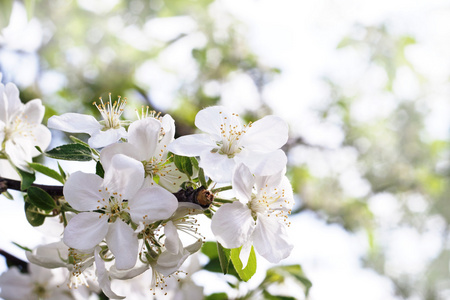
(41, 138)
(123, 243)
(9, 101)
(152, 204)
(172, 243)
(82, 191)
(127, 149)
(125, 176)
(266, 134)
(243, 182)
(49, 256)
(211, 118)
(101, 139)
(73, 122)
(191, 145)
(144, 135)
(85, 230)
(245, 253)
(263, 164)
(19, 152)
(32, 112)
(232, 224)
(103, 277)
(217, 166)
(271, 240)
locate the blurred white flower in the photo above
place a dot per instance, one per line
(104, 132)
(40, 283)
(20, 128)
(227, 142)
(257, 218)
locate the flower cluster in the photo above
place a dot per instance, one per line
(136, 213)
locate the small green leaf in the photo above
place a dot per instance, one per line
(27, 179)
(279, 273)
(224, 257)
(210, 250)
(5, 12)
(47, 171)
(99, 169)
(78, 141)
(40, 198)
(8, 195)
(61, 171)
(184, 164)
(76, 152)
(244, 273)
(217, 296)
(29, 6)
(194, 162)
(33, 216)
(269, 296)
(201, 177)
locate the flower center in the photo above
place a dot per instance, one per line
(111, 112)
(19, 126)
(271, 202)
(231, 131)
(113, 206)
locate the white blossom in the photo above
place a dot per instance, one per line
(227, 141)
(20, 128)
(259, 218)
(104, 132)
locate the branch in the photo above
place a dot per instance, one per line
(198, 196)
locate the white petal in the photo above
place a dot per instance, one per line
(73, 122)
(7, 170)
(15, 285)
(243, 182)
(108, 153)
(144, 135)
(168, 124)
(103, 277)
(82, 191)
(123, 243)
(172, 243)
(33, 112)
(263, 164)
(191, 145)
(152, 204)
(211, 118)
(9, 101)
(245, 253)
(217, 166)
(41, 138)
(101, 139)
(49, 256)
(85, 230)
(171, 178)
(271, 240)
(271, 181)
(19, 153)
(125, 176)
(266, 134)
(232, 224)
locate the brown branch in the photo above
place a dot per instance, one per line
(199, 196)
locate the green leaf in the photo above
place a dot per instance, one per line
(244, 273)
(5, 12)
(269, 296)
(201, 176)
(61, 171)
(279, 273)
(194, 162)
(27, 179)
(8, 195)
(47, 171)
(78, 141)
(76, 152)
(217, 296)
(224, 257)
(29, 6)
(33, 216)
(40, 198)
(184, 164)
(210, 250)
(99, 169)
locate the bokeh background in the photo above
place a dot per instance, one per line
(364, 86)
